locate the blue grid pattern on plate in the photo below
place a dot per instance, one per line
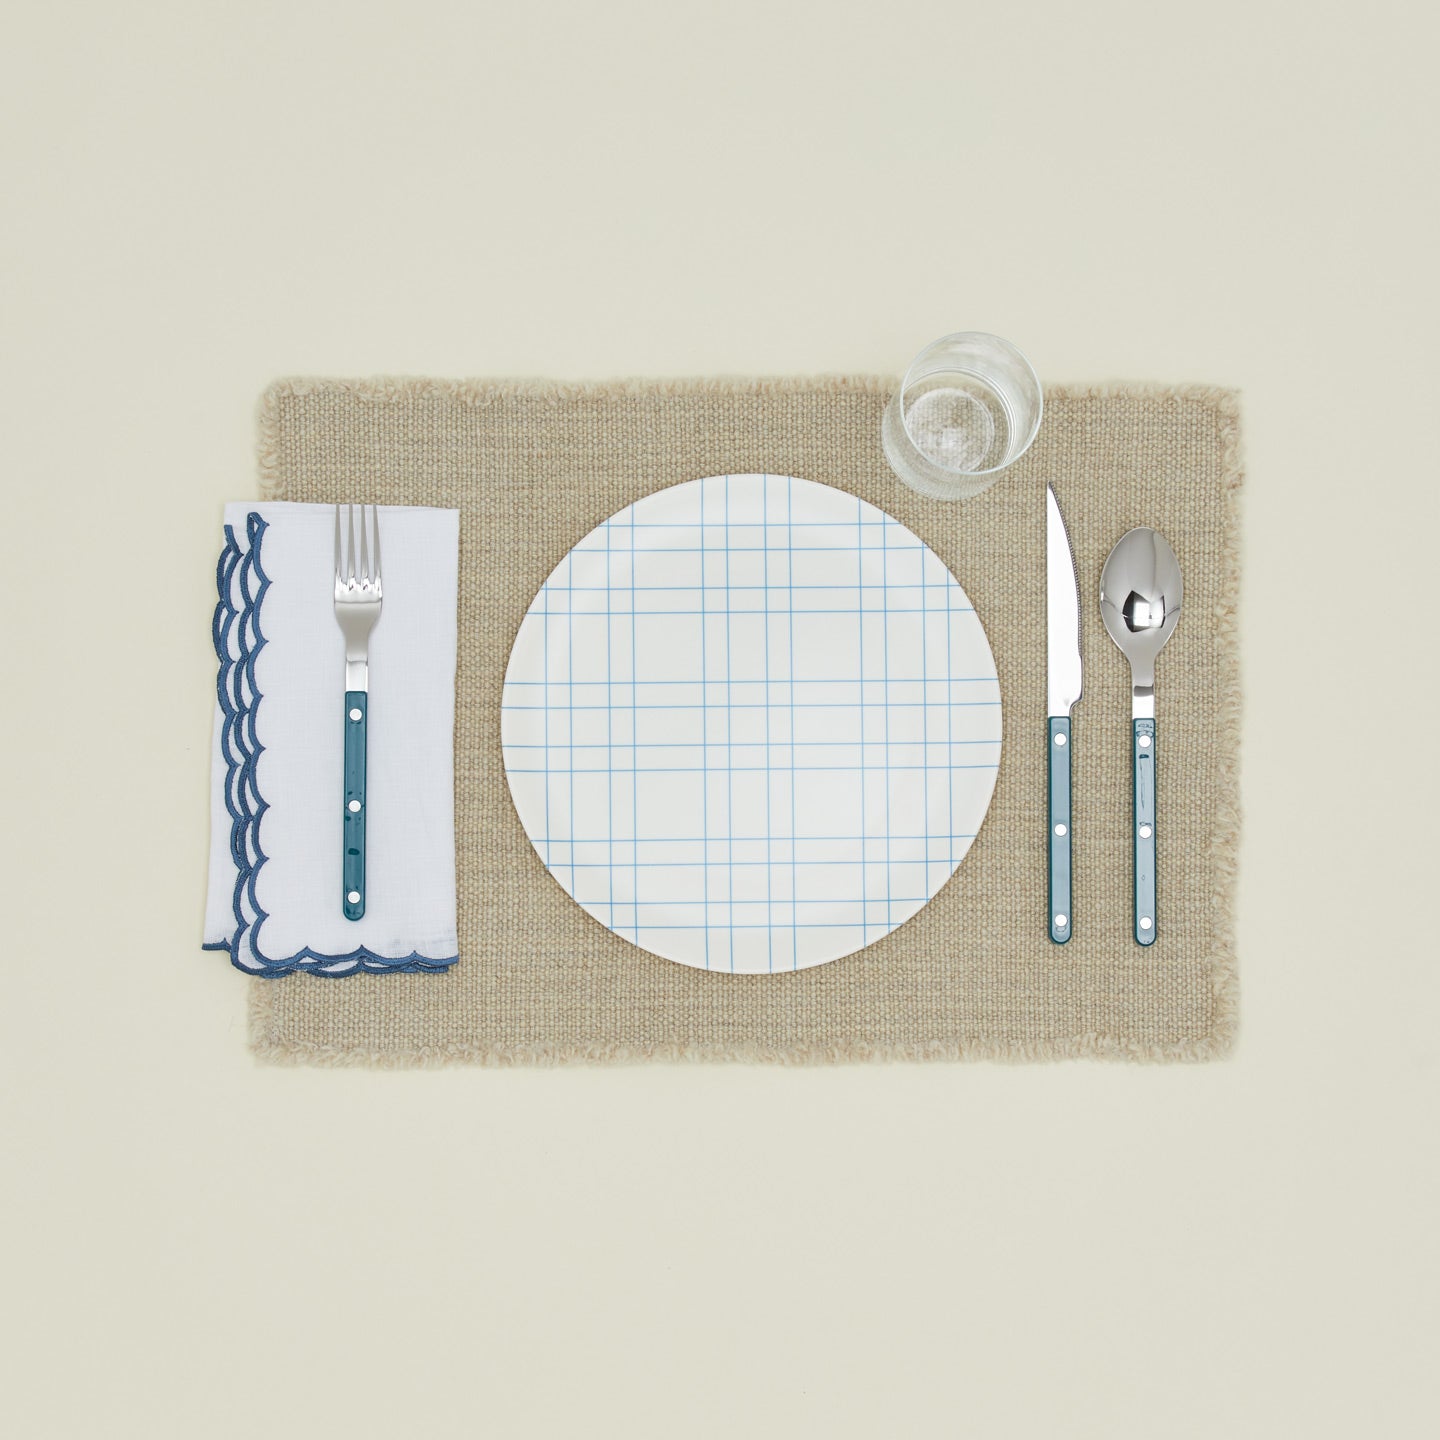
(709, 765)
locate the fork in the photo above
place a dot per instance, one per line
(357, 608)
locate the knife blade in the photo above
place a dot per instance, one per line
(1063, 677)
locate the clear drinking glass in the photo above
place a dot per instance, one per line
(969, 405)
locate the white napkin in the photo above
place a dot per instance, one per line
(278, 755)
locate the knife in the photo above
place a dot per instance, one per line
(1062, 690)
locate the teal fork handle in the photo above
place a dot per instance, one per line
(1062, 920)
(1143, 746)
(353, 868)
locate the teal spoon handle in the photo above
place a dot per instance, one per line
(353, 869)
(1143, 746)
(1061, 918)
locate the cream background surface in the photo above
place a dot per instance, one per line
(198, 199)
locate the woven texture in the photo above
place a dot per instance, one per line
(534, 466)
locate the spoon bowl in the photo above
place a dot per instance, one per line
(1141, 590)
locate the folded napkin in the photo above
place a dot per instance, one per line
(277, 761)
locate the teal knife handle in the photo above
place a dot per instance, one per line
(1062, 920)
(353, 869)
(1144, 837)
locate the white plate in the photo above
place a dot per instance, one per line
(751, 723)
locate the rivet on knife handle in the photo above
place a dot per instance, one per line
(1059, 791)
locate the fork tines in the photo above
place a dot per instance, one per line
(349, 554)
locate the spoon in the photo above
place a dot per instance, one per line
(1140, 593)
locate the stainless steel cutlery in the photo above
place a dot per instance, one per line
(357, 608)
(1141, 589)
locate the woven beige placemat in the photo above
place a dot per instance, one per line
(534, 466)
